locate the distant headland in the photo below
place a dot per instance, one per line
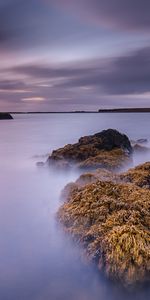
(125, 110)
(5, 116)
(107, 110)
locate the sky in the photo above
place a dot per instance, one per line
(64, 55)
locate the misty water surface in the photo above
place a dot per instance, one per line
(36, 261)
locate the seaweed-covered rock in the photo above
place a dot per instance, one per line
(100, 174)
(110, 160)
(112, 223)
(109, 149)
(139, 175)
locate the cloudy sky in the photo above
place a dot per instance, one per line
(61, 55)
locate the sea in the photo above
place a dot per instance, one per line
(37, 260)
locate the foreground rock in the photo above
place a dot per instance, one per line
(139, 175)
(5, 116)
(108, 149)
(111, 220)
(88, 178)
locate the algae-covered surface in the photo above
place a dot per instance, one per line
(105, 212)
(111, 220)
(139, 175)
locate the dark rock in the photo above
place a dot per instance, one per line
(140, 149)
(5, 116)
(107, 140)
(40, 164)
(108, 149)
(139, 141)
(142, 141)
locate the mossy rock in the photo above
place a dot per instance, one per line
(107, 149)
(110, 160)
(112, 223)
(139, 175)
(86, 178)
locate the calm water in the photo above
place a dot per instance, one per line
(36, 261)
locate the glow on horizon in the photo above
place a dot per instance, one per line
(33, 99)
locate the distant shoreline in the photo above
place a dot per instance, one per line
(5, 116)
(115, 110)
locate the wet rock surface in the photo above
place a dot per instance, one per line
(108, 149)
(109, 216)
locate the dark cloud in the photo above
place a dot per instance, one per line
(48, 72)
(35, 24)
(128, 74)
(118, 13)
(28, 23)
(12, 85)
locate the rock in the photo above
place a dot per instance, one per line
(5, 116)
(40, 156)
(140, 149)
(112, 223)
(139, 141)
(110, 160)
(109, 149)
(139, 175)
(40, 164)
(86, 178)
(99, 174)
(142, 141)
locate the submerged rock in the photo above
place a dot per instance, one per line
(40, 164)
(140, 149)
(111, 220)
(108, 149)
(142, 141)
(139, 141)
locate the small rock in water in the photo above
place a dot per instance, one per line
(40, 164)
(142, 141)
(140, 149)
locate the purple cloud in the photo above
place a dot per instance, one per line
(127, 74)
(117, 13)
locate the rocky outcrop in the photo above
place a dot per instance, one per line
(139, 175)
(87, 178)
(5, 116)
(108, 149)
(109, 215)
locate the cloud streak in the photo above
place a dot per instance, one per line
(128, 15)
(128, 74)
(74, 52)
